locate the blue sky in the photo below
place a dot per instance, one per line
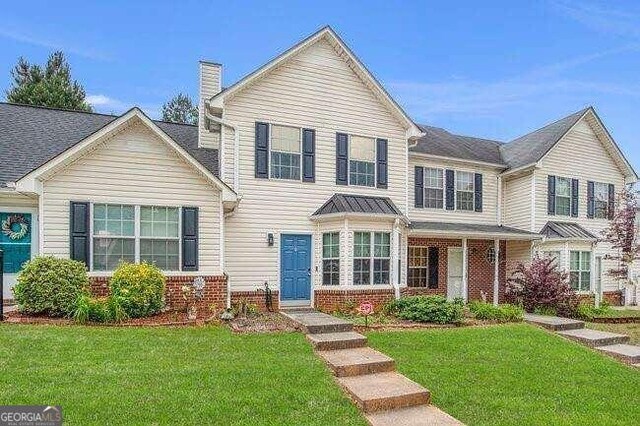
(498, 71)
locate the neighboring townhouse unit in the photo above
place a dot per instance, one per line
(308, 177)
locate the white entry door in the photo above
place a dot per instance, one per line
(454, 273)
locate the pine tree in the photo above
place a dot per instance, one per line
(50, 87)
(180, 109)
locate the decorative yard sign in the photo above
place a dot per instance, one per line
(15, 240)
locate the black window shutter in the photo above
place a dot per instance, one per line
(574, 197)
(591, 202)
(419, 186)
(308, 155)
(551, 195)
(611, 205)
(189, 238)
(342, 158)
(450, 189)
(381, 162)
(478, 191)
(433, 267)
(79, 231)
(262, 150)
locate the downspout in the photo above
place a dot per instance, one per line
(236, 148)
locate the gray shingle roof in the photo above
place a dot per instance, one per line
(566, 230)
(30, 136)
(348, 203)
(468, 227)
(440, 142)
(532, 147)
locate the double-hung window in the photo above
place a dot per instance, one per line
(114, 238)
(371, 258)
(563, 196)
(433, 188)
(331, 258)
(127, 233)
(580, 270)
(285, 152)
(159, 236)
(418, 266)
(464, 191)
(600, 200)
(362, 161)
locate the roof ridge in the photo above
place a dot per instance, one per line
(580, 113)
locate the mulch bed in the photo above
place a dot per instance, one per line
(399, 325)
(163, 319)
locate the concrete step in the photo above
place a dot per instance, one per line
(357, 361)
(626, 353)
(553, 323)
(421, 415)
(335, 341)
(384, 391)
(593, 338)
(317, 322)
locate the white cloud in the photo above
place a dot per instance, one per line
(106, 104)
(602, 17)
(100, 100)
(49, 43)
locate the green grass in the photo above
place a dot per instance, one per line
(515, 375)
(622, 313)
(188, 376)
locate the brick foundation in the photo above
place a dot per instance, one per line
(614, 298)
(480, 273)
(330, 300)
(256, 297)
(214, 299)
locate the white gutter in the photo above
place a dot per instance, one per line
(236, 144)
(236, 180)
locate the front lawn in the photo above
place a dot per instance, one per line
(515, 374)
(631, 329)
(169, 376)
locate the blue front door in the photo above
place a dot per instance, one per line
(295, 267)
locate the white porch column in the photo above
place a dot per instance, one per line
(592, 275)
(496, 271)
(465, 286)
(566, 261)
(395, 256)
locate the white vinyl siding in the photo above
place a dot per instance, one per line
(516, 201)
(582, 156)
(316, 90)
(133, 167)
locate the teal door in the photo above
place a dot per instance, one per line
(15, 240)
(295, 267)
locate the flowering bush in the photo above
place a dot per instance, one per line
(139, 288)
(541, 286)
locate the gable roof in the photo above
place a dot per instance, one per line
(349, 203)
(343, 50)
(531, 147)
(30, 136)
(570, 230)
(471, 229)
(441, 143)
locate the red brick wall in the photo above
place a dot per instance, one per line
(330, 300)
(614, 298)
(480, 273)
(215, 290)
(256, 297)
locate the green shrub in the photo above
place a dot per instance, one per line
(138, 289)
(101, 309)
(587, 311)
(427, 309)
(50, 286)
(505, 312)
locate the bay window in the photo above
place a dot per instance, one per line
(580, 270)
(128, 233)
(331, 258)
(371, 258)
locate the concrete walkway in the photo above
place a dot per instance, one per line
(612, 344)
(369, 377)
